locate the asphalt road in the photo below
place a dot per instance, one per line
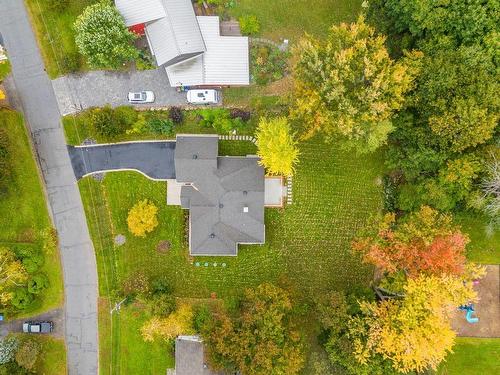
(36, 96)
(154, 159)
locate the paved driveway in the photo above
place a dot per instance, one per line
(154, 159)
(15, 326)
(38, 102)
(95, 89)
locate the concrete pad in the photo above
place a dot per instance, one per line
(174, 192)
(274, 191)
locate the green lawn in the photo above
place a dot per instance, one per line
(55, 34)
(53, 358)
(307, 244)
(24, 212)
(485, 242)
(289, 19)
(473, 356)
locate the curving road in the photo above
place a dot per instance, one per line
(38, 102)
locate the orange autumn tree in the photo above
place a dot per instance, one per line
(426, 242)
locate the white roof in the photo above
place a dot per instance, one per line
(225, 62)
(135, 12)
(176, 36)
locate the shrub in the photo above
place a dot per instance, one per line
(220, 120)
(31, 258)
(139, 126)
(21, 298)
(126, 115)
(144, 61)
(176, 115)
(241, 114)
(142, 218)
(268, 63)
(8, 348)
(161, 304)
(28, 353)
(249, 25)
(161, 126)
(162, 286)
(107, 123)
(38, 283)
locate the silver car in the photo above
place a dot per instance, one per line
(38, 327)
(141, 97)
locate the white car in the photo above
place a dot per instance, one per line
(203, 96)
(141, 97)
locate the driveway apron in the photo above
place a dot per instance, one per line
(153, 159)
(78, 259)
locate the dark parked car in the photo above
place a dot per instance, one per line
(38, 327)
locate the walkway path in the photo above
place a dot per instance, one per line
(75, 92)
(38, 101)
(153, 159)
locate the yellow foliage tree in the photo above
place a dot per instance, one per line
(276, 146)
(413, 332)
(348, 86)
(12, 273)
(180, 322)
(142, 218)
(2, 95)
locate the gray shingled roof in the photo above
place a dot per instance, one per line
(225, 196)
(189, 357)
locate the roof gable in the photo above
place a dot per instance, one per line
(135, 12)
(176, 36)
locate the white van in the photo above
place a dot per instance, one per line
(203, 97)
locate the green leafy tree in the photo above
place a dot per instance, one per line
(8, 349)
(103, 38)
(468, 117)
(348, 86)
(12, 275)
(464, 20)
(261, 340)
(276, 146)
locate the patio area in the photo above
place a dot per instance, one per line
(275, 191)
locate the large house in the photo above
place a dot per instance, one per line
(190, 48)
(224, 195)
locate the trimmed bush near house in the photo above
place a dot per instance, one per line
(161, 126)
(249, 25)
(220, 119)
(176, 115)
